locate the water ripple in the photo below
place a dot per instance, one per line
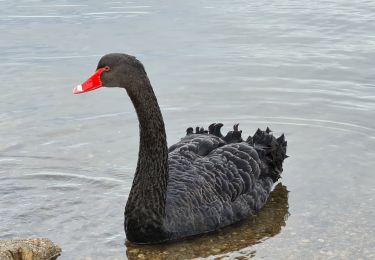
(70, 176)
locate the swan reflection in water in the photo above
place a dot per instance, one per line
(265, 224)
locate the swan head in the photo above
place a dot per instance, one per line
(114, 70)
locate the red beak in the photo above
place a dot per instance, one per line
(93, 82)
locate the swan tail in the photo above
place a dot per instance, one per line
(271, 150)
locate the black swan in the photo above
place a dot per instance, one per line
(202, 183)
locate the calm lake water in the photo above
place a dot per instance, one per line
(305, 68)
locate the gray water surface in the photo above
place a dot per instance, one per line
(303, 68)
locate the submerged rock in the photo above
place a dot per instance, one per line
(29, 249)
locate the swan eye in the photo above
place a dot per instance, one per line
(107, 68)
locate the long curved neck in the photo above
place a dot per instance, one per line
(146, 202)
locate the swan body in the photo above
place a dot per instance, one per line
(203, 182)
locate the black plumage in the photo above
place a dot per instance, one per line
(203, 182)
(214, 182)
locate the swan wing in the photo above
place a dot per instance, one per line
(212, 184)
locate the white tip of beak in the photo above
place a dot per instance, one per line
(77, 89)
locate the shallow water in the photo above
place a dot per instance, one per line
(305, 68)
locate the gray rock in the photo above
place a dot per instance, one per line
(29, 249)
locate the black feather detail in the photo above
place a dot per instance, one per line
(215, 180)
(217, 129)
(234, 136)
(189, 131)
(211, 128)
(272, 151)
